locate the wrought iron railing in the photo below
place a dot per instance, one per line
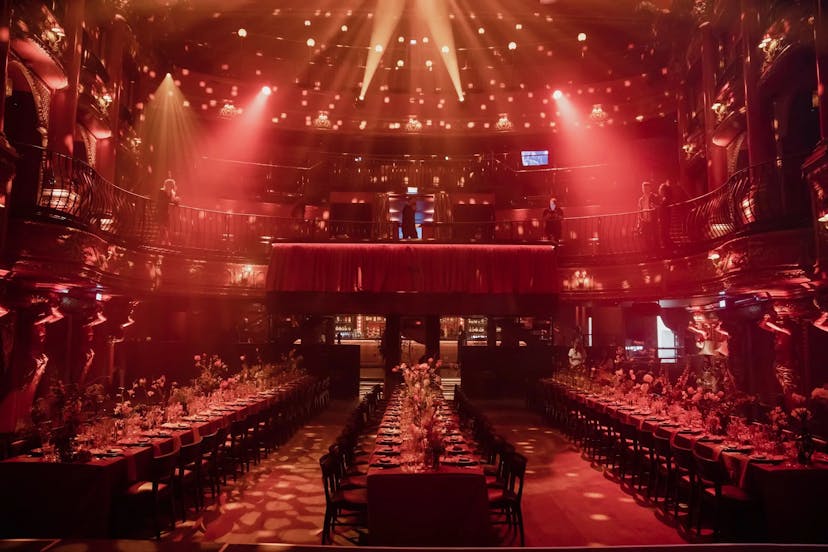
(73, 193)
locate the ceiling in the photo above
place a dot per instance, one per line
(313, 54)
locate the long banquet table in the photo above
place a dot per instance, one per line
(443, 507)
(792, 496)
(75, 500)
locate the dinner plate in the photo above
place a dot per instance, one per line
(765, 459)
(739, 449)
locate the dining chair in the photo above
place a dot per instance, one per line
(147, 496)
(507, 500)
(343, 507)
(662, 474)
(210, 464)
(188, 478)
(716, 489)
(685, 481)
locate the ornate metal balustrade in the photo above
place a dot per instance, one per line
(70, 192)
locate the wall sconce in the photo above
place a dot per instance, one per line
(581, 280)
(714, 256)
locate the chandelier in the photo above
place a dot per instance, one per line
(413, 125)
(598, 114)
(503, 123)
(322, 120)
(229, 110)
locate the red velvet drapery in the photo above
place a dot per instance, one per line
(383, 268)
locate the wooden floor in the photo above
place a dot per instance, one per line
(566, 501)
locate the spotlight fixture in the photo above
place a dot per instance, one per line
(242, 32)
(266, 90)
(581, 37)
(557, 95)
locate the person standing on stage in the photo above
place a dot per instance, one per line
(409, 227)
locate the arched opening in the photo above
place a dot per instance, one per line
(22, 128)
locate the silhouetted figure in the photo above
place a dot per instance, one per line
(409, 228)
(166, 197)
(647, 203)
(665, 199)
(552, 221)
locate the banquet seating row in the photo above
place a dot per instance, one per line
(345, 467)
(159, 477)
(695, 479)
(504, 467)
(684, 481)
(206, 463)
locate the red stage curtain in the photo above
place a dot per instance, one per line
(412, 267)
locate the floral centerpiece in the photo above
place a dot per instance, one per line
(805, 447)
(61, 412)
(420, 404)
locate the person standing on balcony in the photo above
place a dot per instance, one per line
(166, 197)
(552, 221)
(665, 199)
(409, 228)
(645, 225)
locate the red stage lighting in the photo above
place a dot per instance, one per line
(266, 90)
(557, 95)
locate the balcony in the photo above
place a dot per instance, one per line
(598, 253)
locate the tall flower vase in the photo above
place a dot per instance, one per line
(804, 448)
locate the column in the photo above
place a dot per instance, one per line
(759, 111)
(63, 111)
(107, 149)
(432, 335)
(391, 350)
(821, 46)
(28, 362)
(815, 168)
(715, 155)
(491, 332)
(8, 156)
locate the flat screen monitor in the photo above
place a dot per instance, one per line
(537, 158)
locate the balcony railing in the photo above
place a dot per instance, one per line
(72, 193)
